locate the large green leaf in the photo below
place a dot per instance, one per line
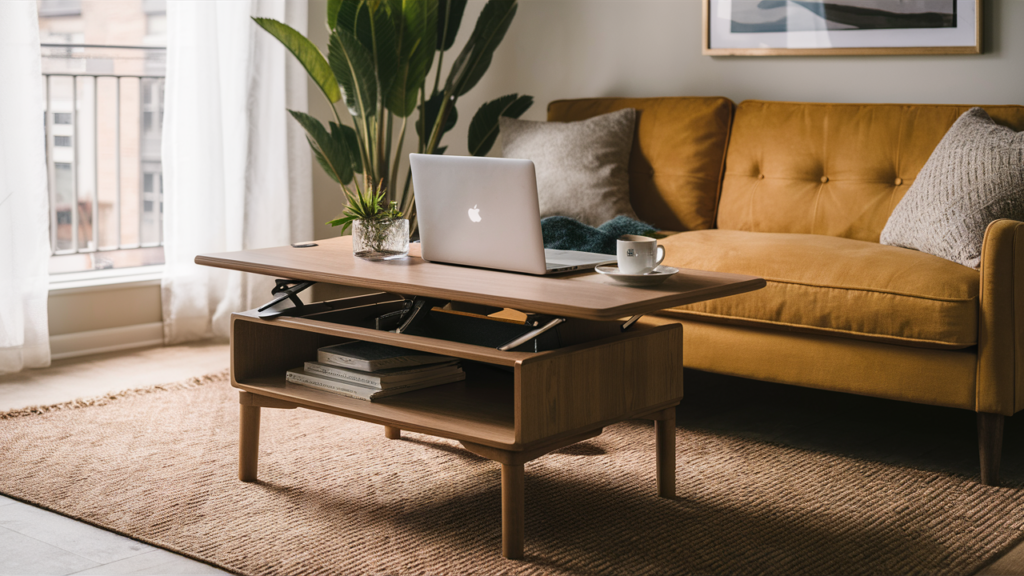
(430, 110)
(472, 62)
(321, 160)
(307, 54)
(384, 45)
(333, 6)
(347, 13)
(353, 67)
(414, 25)
(330, 150)
(362, 28)
(483, 130)
(345, 137)
(375, 30)
(448, 12)
(352, 143)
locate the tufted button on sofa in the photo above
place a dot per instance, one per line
(798, 193)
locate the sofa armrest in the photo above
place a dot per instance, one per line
(1000, 383)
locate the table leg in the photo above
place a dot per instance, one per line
(248, 442)
(665, 440)
(512, 510)
(392, 433)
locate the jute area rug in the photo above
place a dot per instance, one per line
(336, 497)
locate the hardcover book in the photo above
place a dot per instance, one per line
(363, 392)
(370, 357)
(390, 378)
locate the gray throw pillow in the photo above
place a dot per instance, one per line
(582, 167)
(974, 176)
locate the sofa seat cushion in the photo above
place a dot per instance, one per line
(836, 286)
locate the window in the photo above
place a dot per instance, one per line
(62, 181)
(49, 8)
(109, 58)
(156, 24)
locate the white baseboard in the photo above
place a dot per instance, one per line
(106, 340)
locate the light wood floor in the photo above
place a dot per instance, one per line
(97, 375)
(35, 541)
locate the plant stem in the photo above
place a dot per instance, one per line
(444, 36)
(361, 138)
(379, 116)
(371, 151)
(407, 198)
(398, 159)
(385, 169)
(423, 120)
(442, 118)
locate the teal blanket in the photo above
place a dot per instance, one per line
(564, 233)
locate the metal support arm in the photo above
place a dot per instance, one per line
(530, 335)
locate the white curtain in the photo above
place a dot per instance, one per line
(236, 166)
(24, 202)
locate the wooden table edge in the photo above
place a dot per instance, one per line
(743, 284)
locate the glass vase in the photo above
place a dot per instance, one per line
(380, 239)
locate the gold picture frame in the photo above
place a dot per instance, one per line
(720, 50)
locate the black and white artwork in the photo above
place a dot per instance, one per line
(753, 16)
(825, 24)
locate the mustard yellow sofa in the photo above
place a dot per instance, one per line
(798, 193)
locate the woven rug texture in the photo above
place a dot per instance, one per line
(336, 497)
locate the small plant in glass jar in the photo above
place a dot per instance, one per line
(379, 232)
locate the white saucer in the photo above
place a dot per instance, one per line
(652, 278)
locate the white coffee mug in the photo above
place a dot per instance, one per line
(638, 254)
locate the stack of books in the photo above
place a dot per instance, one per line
(369, 371)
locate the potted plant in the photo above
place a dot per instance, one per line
(380, 53)
(378, 230)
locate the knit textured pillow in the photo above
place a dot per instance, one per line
(973, 177)
(582, 167)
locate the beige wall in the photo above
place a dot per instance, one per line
(579, 48)
(590, 48)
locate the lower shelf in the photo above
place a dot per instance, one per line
(479, 409)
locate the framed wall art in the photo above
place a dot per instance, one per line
(841, 27)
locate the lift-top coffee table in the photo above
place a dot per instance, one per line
(515, 404)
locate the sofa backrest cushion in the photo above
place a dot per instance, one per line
(832, 169)
(678, 152)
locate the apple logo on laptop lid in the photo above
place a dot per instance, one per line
(474, 214)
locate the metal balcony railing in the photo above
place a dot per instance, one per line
(103, 119)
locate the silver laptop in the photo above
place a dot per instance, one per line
(484, 212)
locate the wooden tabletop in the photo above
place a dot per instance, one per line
(587, 295)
